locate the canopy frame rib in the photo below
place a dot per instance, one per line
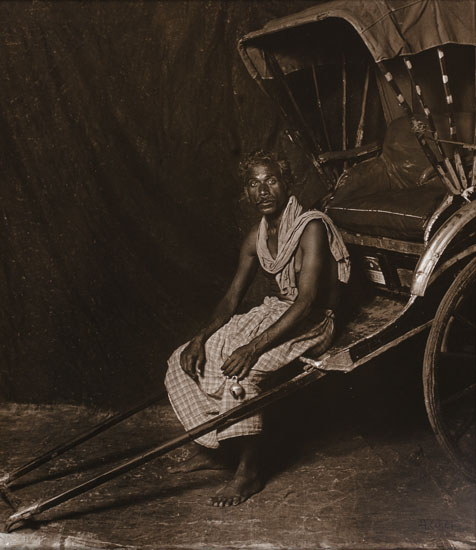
(473, 175)
(363, 109)
(319, 105)
(451, 115)
(415, 126)
(424, 105)
(344, 107)
(276, 69)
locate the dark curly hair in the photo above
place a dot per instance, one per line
(260, 157)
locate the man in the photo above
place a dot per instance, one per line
(307, 257)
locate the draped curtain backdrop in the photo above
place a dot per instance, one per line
(121, 127)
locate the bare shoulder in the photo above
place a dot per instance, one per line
(314, 236)
(249, 242)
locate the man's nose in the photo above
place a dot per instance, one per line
(263, 188)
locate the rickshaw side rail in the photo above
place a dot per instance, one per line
(384, 243)
(410, 322)
(372, 333)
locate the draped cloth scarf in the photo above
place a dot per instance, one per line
(293, 223)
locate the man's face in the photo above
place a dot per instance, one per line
(265, 188)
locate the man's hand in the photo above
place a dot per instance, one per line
(192, 359)
(240, 362)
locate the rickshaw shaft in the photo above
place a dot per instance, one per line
(109, 422)
(247, 408)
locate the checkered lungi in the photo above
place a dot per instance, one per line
(197, 402)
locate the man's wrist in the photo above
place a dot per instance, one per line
(258, 345)
(206, 332)
(201, 337)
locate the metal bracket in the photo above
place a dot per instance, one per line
(467, 192)
(21, 516)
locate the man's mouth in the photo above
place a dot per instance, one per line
(265, 202)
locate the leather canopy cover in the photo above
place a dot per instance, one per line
(388, 28)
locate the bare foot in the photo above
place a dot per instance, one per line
(239, 489)
(201, 460)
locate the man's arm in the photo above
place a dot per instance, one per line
(192, 358)
(315, 262)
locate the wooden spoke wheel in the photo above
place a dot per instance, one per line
(449, 372)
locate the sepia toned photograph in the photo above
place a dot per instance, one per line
(238, 244)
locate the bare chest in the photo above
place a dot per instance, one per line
(273, 249)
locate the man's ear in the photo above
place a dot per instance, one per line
(247, 193)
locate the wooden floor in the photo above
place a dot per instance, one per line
(350, 463)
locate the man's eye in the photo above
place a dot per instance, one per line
(252, 183)
(272, 180)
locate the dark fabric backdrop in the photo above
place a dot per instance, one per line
(121, 126)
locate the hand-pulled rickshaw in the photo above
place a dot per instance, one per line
(381, 97)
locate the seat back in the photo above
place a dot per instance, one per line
(392, 195)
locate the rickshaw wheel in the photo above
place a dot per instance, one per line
(449, 372)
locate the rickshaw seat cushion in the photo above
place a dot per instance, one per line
(381, 196)
(399, 214)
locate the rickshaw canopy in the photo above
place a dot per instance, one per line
(388, 28)
(380, 95)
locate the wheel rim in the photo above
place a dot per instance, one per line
(449, 372)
